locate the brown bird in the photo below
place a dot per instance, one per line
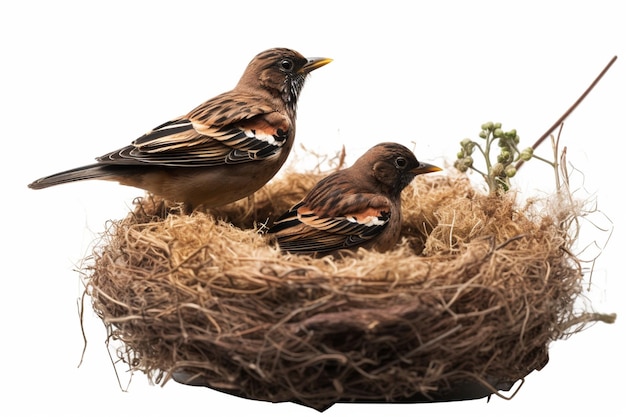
(223, 150)
(355, 207)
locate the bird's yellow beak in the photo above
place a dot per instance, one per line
(425, 168)
(313, 64)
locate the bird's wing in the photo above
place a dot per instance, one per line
(224, 130)
(301, 229)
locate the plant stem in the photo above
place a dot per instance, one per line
(552, 164)
(490, 178)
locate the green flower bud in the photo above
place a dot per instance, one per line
(460, 155)
(526, 154)
(468, 161)
(505, 156)
(468, 146)
(497, 125)
(510, 171)
(483, 134)
(487, 126)
(498, 133)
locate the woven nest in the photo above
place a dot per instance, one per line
(466, 305)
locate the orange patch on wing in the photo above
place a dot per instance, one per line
(268, 124)
(304, 210)
(366, 215)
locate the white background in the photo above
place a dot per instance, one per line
(79, 79)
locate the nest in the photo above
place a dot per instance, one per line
(464, 307)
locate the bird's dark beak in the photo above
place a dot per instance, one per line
(425, 168)
(313, 64)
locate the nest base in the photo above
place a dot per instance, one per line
(461, 391)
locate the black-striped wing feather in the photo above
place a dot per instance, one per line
(302, 230)
(213, 134)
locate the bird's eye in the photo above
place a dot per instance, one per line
(286, 65)
(400, 162)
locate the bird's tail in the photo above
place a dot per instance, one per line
(88, 172)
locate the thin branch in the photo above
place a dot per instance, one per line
(569, 111)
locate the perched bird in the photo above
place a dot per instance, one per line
(223, 150)
(355, 207)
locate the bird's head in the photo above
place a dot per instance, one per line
(281, 72)
(393, 166)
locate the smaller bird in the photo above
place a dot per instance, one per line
(359, 206)
(223, 150)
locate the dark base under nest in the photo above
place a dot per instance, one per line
(461, 391)
(465, 306)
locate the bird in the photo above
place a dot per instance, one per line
(359, 206)
(223, 150)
